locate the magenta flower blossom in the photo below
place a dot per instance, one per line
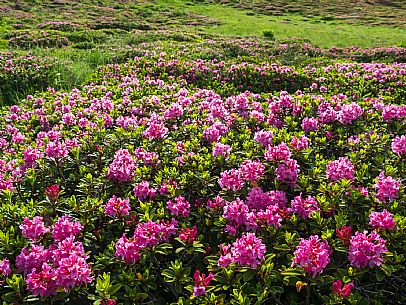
(64, 227)
(309, 124)
(26, 261)
(366, 249)
(382, 220)
(300, 143)
(349, 112)
(304, 206)
(188, 235)
(252, 170)
(73, 271)
(312, 255)
(264, 137)
(236, 212)
(156, 128)
(288, 172)
(147, 234)
(340, 169)
(201, 282)
(340, 290)
(179, 207)
(42, 283)
(122, 168)
(5, 269)
(221, 150)
(143, 191)
(231, 180)
(280, 152)
(117, 207)
(399, 145)
(128, 250)
(388, 188)
(33, 228)
(247, 251)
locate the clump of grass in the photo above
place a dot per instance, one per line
(270, 34)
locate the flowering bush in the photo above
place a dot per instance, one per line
(165, 181)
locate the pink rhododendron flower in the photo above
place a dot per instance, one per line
(52, 192)
(42, 283)
(221, 150)
(33, 228)
(117, 207)
(179, 207)
(231, 180)
(312, 255)
(304, 206)
(147, 234)
(340, 291)
(64, 227)
(5, 269)
(188, 235)
(288, 172)
(300, 143)
(264, 137)
(344, 234)
(26, 261)
(245, 251)
(236, 212)
(399, 145)
(366, 249)
(340, 169)
(252, 170)
(201, 282)
(122, 168)
(309, 124)
(349, 112)
(278, 153)
(388, 188)
(382, 220)
(143, 191)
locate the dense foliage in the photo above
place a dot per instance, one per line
(168, 180)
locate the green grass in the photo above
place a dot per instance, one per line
(324, 34)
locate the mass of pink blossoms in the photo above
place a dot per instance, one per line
(304, 206)
(313, 255)
(382, 220)
(34, 228)
(366, 249)
(147, 234)
(117, 207)
(339, 169)
(245, 251)
(399, 145)
(122, 168)
(387, 188)
(179, 207)
(60, 266)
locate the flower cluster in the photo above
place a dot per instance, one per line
(312, 255)
(245, 251)
(382, 220)
(122, 168)
(201, 282)
(147, 234)
(60, 266)
(117, 207)
(366, 249)
(340, 169)
(388, 188)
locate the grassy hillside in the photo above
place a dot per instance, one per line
(368, 12)
(325, 23)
